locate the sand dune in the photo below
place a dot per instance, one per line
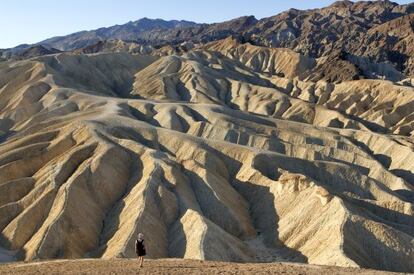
(209, 155)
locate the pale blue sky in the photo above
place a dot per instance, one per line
(30, 21)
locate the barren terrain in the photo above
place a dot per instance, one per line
(228, 151)
(173, 266)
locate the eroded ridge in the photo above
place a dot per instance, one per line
(209, 155)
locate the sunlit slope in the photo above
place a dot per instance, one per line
(209, 156)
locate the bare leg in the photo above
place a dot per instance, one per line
(141, 260)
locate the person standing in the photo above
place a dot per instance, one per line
(140, 248)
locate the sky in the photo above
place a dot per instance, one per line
(30, 21)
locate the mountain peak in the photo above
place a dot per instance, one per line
(342, 4)
(146, 22)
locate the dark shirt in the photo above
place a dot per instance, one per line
(140, 248)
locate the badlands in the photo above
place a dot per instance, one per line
(227, 152)
(209, 156)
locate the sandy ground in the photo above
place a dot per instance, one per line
(171, 266)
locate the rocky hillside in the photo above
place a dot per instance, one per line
(365, 34)
(206, 154)
(228, 150)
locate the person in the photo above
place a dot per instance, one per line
(140, 248)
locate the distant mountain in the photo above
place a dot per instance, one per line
(154, 32)
(137, 30)
(362, 33)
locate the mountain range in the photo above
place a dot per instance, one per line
(361, 33)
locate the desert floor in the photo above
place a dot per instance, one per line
(171, 266)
